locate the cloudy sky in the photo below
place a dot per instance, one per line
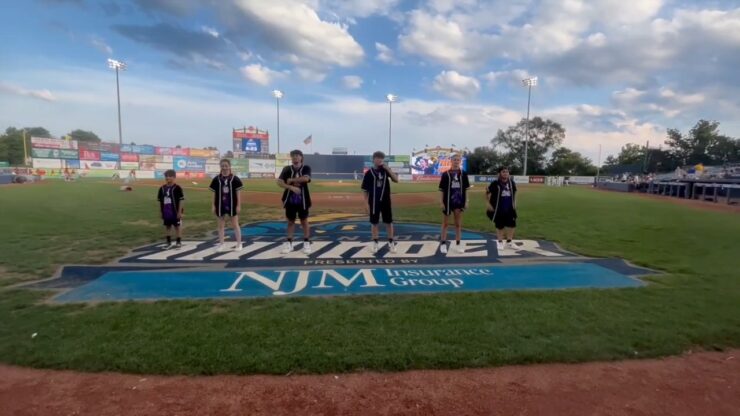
(612, 71)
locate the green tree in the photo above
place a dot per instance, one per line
(564, 161)
(484, 160)
(11, 143)
(84, 136)
(544, 135)
(631, 154)
(704, 144)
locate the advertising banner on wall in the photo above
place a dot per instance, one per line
(100, 147)
(163, 159)
(162, 166)
(200, 153)
(71, 163)
(44, 153)
(129, 157)
(189, 164)
(97, 164)
(165, 151)
(215, 168)
(180, 151)
(43, 142)
(69, 154)
(148, 158)
(47, 163)
(89, 155)
(129, 165)
(109, 157)
(261, 166)
(536, 179)
(146, 149)
(147, 165)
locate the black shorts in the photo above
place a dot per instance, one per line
(386, 211)
(295, 211)
(503, 219)
(172, 222)
(453, 208)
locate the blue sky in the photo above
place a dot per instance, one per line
(612, 72)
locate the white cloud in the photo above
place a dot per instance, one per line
(352, 82)
(294, 28)
(454, 85)
(100, 44)
(13, 89)
(260, 74)
(511, 77)
(311, 74)
(209, 30)
(359, 8)
(385, 54)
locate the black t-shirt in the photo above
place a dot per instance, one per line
(169, 197)
(302, 199)
(454, 185)
(225, 192)
(377, 184)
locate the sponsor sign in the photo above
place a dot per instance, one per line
(42, 142)
(163, 166)
(491, 178)
(182, 151)
(127, 148)
(72, 163)
(47, 163)
(89, 155)
(251, 146)
(214, 168)
(253, 175)
(201, 153)
(262, 166)
(148, 158)
(97, 165)
(147, 165)
(145, 149)
(581, 180)
(110, 157)
(129, 157)
(189, 164)
(100, 147)
(536, 179)
(163, 159)
(43, 153)
(130, 165)
(341, 264)
(163, 151)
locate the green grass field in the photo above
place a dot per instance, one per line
(695, 304)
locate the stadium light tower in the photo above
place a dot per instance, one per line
(528, 82)
(278, 95)
(118, 66)
(391, 99)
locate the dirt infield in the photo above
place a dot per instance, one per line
(694, 384)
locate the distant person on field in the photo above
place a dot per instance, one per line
(377, 187)
(171, 206)
(454, 186)
(294, 179)
(227, 202)
(501, 209)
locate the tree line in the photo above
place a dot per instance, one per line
(11, 142)
(546, 156)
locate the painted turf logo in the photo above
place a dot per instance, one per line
(345, 243)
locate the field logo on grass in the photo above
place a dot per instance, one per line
(346, 243)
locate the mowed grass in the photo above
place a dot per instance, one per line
(695, 304)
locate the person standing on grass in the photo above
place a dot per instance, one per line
(227, 202)
(454, 186)
(294, 179)
(377, 187)
(171, 207)
(501, 209)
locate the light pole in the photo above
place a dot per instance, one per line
(528, 82)
(278, 95)
(391, 99)
(118, 65)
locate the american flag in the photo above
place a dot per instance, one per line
(308, 140)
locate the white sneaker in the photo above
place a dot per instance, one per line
(306, 247)
(510, 245)
(393, 246)
(169, 246)
(287, 247)
(238, 247)
(459, 248)
(443, 248)
(376, 247)
(499, 245)
(220, 248)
